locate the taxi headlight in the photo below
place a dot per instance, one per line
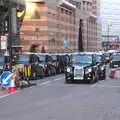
(69, 69)
(89, 70)
(102, 68)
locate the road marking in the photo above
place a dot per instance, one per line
(50, 81)
(45, 83)
(3, 96)
(6, 95)
(106, 86)
(58, 79)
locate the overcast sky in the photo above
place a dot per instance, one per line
(110, 11)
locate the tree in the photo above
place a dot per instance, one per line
(43, 50)
(33, 48)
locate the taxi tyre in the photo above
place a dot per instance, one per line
(54, 71)
(48, 72)
(94, 78)
(104, 76)
(37, 71)
(42, 74)
(68, 81)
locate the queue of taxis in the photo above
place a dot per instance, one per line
(86, 66)
(35, 66)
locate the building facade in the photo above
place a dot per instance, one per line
(52, 23)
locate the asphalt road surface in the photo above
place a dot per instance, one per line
(53, 99)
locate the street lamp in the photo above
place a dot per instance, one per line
(108, 28)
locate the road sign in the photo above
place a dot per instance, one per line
(6, 78)
(3, 42)
(66, 43)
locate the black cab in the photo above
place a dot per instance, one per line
(28, 64)
(115, 60)
(48, 63)
(83, 68)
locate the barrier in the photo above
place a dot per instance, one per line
(115, 73)
(5, 79)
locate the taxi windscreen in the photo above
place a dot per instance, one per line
(23, 59)
(83, 59)
(116, 57)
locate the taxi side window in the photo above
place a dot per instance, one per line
(48, 58)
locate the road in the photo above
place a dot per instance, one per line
(52, 99)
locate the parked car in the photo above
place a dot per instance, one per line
(64, 61)
(57, 61)
(48, 64)
(107, 57)
(83, 68)
(115, 60)
(30, 66)
(100, 59)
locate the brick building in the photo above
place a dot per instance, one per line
(51, 22)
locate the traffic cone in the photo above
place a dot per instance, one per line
(12, 88)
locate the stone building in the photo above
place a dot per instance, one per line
(51, 23)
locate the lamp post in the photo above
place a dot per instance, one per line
(108, 29)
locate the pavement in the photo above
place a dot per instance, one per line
(53, 99)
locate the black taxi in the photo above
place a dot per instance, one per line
(115, 60)
(82, 68)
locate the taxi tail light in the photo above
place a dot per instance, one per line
(46, 65)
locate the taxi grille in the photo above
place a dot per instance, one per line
(79, 72)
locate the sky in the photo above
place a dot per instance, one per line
(110, 14)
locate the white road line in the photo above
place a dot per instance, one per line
(45, 83)
(50, 81)
(3, 96)
(6, 95)
(106, 86)
(58, 79)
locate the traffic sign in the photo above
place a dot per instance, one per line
(6, 78)
(66, 43)
(4, 42)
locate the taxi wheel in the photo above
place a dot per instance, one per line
(94, 79)
(54, 71)
(68, 81)
(42, 74)
(104, 77)
(48, 73)
(34, 76)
